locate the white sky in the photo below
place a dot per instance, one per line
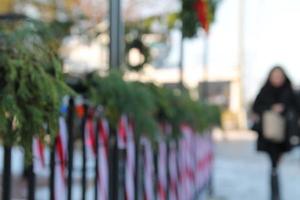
(271, 37)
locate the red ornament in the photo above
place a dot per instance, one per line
(201, 7)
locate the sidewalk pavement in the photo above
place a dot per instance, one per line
(241, 173)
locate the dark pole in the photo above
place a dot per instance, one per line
(116, 34)
(156, 176)
(83, 180)
(97, 158)
(140, 170)
(113, 166)
(137, 174)
(121, 172)
(31, 183)
(52, 171)
(70, 123)
(6, 188)
(168, 169)
(211, 179)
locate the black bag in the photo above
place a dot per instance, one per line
(256, 126)
(293, 128)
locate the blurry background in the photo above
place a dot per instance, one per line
(246, 39)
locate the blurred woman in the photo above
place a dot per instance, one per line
(276, 96)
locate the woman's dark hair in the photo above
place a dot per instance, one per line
(287, 82)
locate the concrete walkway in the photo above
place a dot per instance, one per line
(243, 174)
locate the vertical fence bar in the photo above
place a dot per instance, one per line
(83, 180)
(156, 175)
(121, 172)
(211, 176)
(70, 124)
(97, 157)
(140, 171)
(137, 170)
(52, 171)
(31, 182)
(6, 188)
(168, 170)
(113, 165)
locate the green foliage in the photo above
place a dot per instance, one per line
(119, 97)
(148, 105)
(31, 86)
(189, 19)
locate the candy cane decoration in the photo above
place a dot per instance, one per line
(130, 164)
(90, 137)
(186, 163)
(122, 131)
(162, 173)
(60, 158)
(149, 170)
(173, 170)
(38, 149)
(103, 182)
(183, 169)
(199, 162)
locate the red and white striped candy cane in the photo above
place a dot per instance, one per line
(130, 163)
(38, 149)
(90, 137)
(103, 181)
(60, 157)
(122, 131)
(149, 170)
(162, 172)
(173, 171)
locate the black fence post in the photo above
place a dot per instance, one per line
(83, 180)
(6, 188)
(70, 125)
(168, 169)
(113, 165)
(140, 171)
(156, 176)
(52, 173)
(31, 182)
(97, 128)
(121, 171)
(211, 177)
(137, 170)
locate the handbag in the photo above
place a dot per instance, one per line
(274, 126)
(293, 128)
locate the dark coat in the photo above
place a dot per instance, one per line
(267, 97)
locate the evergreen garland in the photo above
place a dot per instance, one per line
(119, 97)
(148, 105)
(31, 86)
(189, 19)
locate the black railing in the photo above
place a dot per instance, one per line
(117, 164)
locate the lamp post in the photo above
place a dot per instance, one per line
(116, 32)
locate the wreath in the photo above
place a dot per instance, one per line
(142, 49)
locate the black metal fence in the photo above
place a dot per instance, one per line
(124, 166)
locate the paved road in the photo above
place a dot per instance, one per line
(242, 174)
